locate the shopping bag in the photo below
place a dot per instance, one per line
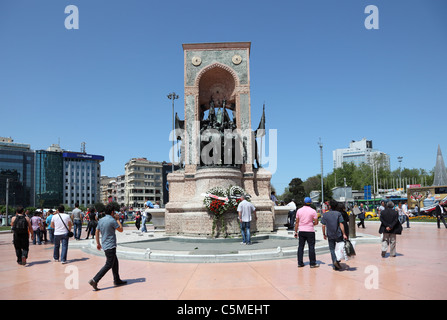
(349, 248)
(339, 248)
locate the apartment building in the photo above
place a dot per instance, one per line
(143, 181)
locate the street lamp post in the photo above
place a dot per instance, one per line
(7, 201)
(400, 169)
(173, 96)
(321, 161)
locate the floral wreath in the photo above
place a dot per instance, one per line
(416, 196)
(219, 200)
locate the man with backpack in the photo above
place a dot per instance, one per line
(21, 226)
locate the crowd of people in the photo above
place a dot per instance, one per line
(57, 227)
(335, 225)
(335, 228)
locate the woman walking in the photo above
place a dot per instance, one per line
(92, 222)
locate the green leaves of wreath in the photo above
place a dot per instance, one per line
(219, 200)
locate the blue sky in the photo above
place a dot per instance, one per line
(320, 72)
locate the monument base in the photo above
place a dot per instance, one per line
(187, 215)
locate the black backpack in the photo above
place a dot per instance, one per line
(20, 224)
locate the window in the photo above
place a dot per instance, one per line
(440, 190)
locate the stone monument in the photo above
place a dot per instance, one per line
(218, 145)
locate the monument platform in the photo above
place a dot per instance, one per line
(156, 246)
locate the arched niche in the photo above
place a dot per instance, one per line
(217, 83)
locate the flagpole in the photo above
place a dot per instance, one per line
(260, 127)
(260, 151)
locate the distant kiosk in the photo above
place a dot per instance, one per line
(427, 197)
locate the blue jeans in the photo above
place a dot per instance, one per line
(51, 233)
(77, 229)
(143, 224)
(37, 237)
(245, 230)
(58, 239)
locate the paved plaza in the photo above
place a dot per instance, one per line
(266, 270)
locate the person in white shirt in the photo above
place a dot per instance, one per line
(406, 214)
(143, 219)
(61, 223)
(291, 214)
(400, 211)
(381, 207)
(245, 209)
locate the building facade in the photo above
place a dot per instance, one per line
(105, 192)
(121, 190)
(16, 173)
(360, 152)
(82, 174)
(143, 181)
(49, 173)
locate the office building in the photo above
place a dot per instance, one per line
(360, 152)
(49, 173)
(16, 173)
(82, 174)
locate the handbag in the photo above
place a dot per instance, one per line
(70, 234)
(349, 248)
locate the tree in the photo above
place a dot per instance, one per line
(115, 205)
(295, 192)
(327, 193)
(312, 183)
(100, 207)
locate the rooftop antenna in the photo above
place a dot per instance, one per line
(83, 147)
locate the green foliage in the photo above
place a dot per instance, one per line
(115, 205)
(356, 177)
(100, 207)
(11, 210)
(31, 210)
(295, 191)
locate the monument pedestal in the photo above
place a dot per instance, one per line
(187, 215)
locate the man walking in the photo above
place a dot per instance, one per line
(77, 217)
(21, 226)
(61, 223)
(333, 230)
(107, 227)
(439, 214)
(306, 219)
(245, 209)
(50, 228)
(389, 227)
(146, 215)
(361, 216)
